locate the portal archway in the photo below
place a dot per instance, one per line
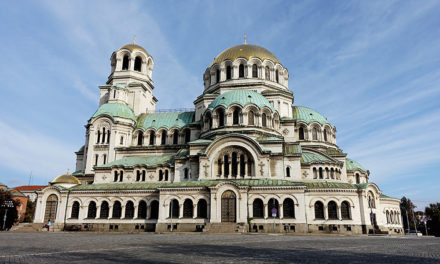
(229, 207)
(51, 208)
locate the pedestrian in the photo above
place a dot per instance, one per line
(48, 225)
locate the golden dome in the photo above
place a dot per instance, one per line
(133, 47)
(66, 178)
(245, 51)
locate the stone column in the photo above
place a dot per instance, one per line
(149, 211)
(180, 211)
(123, 212)
(195, 211)
(136, 211)
(265, 211)
(281, 212)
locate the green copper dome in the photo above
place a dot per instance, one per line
(165, 120)
(353, 165)
(242, 98)
(115, 110)
(308, 115)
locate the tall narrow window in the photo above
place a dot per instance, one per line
(163, 138)
(332, 210)
(254, 71)
(228, 72)
(221, 117)
(121, 176)
(138, 64)
(99, 137)
(121, 141)
(315, 173)
(154, 209)
(258, 208)
(267, 72)
(263, 120)
(273, 204)
(160, 175)
(276, 76)
(321, 174)
(202, 209)
(142, 210)
(236, 116)
(114, 94)
(217, 76)
(174, 209)
(234, 164)
(186, 173)
(319, 210)
(345, 210)
(115, 179)
(108, 136)
(175, 137)
(140, 138)
(325, 134)
(242, 165)
(96, 159)
(125, 62)
(103, 135)
(91, 212)
(104, 210)
(75, 210)
(117, 209)
(152, 138)
(301, 133)
(187, 135)
(166, 175)
(251, 121)
(241, 71)
(129, 210)
(358, 178)
(138, 175)
(226, 165)
(143, 175)
(288, 172)
(104, 159)
(188, 209)
(289, 208)
(315, 133)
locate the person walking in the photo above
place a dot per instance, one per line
(48, 225)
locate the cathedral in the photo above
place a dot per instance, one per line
(244, 159)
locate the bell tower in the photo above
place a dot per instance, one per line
(130, 80)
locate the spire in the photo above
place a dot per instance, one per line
(245, 39)
(134, 40)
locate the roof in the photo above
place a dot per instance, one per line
(165, 120)
(133, 47)
(308, 115)
(246, 51)
(66, 178)
(307, 157)
(148, 161)
(292, 149)
(242, 98)
(115, 110)
(30, 187)
(269, 139)
(329, 185)
(353, 165)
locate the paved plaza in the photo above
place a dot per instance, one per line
(203, 248)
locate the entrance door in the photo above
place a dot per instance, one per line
(228, 206)
(51, 208)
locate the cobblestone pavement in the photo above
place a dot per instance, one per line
(201, 248)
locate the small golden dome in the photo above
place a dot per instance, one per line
(245, 51)
(133, 47)
(66, 178)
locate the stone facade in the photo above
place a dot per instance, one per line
(244, 160)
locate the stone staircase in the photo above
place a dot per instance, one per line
(27, 227)
(225, 228)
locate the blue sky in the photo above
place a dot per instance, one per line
(371, 67)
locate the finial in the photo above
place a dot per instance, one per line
(134, 40)
(67, 171)
(245, 39)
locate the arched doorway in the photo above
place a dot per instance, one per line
(51, 208)
(228, 206)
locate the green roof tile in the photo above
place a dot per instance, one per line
(115, 110)
(335, 152)
(165, 120)
(182, 152)
(242, 98)
(308, 157)
(308, 115)
(329, 185)
(353, 165)
(150, 161)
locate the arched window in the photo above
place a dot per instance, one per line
(103, 135)
(166, 175)
(289, 208)
(276, 76)
(152, 138)
(143, 175)
(91, 212)
(327, 174)
(187, 135)
(186, 173)
(99, 137)
(125, 61)
(301, 133)
(228, 72)
(140, 138)
(160, 175)
(273, 203)
(358, 178)
(258, 208)
(104, 210)
(202, 209)
(154, 207)
(221, 117)
(314, 133)
(142, 210)
(345, 210)
(121, 176)
(241, 71)
(138, 64)
(236, 116)
(371, 203)
(321, 174)
(174, 209)
(129, 210)
(251, 117)
(188, 209)
(226, 165)
(287, 171)
(234, 164)
(242, 165)
(325, 134)
(121, 141)
(332, 209)
(115, 179)
(175, 137)
(319, 210)
(108, 136)
(267, 72)
(217, 76)
(254, 71)
(208, 120)
(263, 120)
(75, 210)
(138, 175)
(315, 173)
(163, 137)
(332, 173)
(117, 210)
(388, 217)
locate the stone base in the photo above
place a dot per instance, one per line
(117, 227)
(180, 227)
